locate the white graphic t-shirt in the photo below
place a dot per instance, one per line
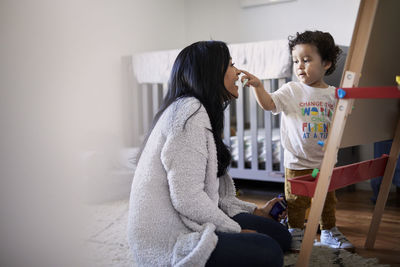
(306, 116)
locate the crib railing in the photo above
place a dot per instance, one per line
(254, 170)
(243, 114)
(151, 96)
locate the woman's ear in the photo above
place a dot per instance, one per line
(327, 64)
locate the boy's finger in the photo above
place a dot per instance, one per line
(245, 72)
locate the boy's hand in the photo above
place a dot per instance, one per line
(263, 98)
(252, 80)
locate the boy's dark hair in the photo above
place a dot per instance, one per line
(324, 43)
(199, 72)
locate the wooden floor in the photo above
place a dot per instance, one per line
(353, 216)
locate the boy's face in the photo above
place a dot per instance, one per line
(308, 65)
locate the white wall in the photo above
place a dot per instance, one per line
(226, 20)
(61, 90)
(62, 83)
(71, 51)
(61, 75)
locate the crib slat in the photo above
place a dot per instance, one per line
(239, 126)
(268, 141)
(165, 89)
(227, 126)
(146, 107)
(268, 132)
(281, 165)
(156, 98)
(254, 133)
(275, 84)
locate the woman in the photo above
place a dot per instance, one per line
(183, 209)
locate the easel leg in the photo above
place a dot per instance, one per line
(384, 189)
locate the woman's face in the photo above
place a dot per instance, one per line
(230, 78)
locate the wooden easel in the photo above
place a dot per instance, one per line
(368, 40)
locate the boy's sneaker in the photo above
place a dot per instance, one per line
(297, 238)
(335, 239)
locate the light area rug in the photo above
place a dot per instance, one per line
(106, 242)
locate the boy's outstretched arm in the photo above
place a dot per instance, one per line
(262, 96)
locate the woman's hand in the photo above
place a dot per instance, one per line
(265, 210)
(251, 79)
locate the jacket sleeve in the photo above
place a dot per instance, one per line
(228, 201)
(184, 157)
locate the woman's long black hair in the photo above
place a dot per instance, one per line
(199, 71)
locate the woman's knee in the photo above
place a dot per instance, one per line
(267, 227)
(273, 254)
(285, 240)
(280, 234)
(246, 250)
(262, 250)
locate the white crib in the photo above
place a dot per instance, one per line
(251, 133)
(256, 147)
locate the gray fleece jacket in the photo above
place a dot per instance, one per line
(177, 202)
